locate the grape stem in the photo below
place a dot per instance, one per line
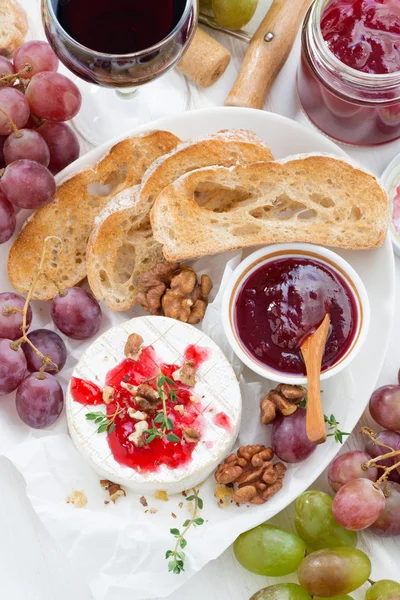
(12, 77)
(372, 463)
(16, 131)
(47, 362)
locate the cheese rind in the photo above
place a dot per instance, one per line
(216, 387)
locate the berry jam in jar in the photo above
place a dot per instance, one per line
(349, 77)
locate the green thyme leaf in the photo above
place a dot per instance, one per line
(200, 503)
(91, 416)
(170, 424)
(102, 428)
(199, 521)
(170, 381)
(169, 553)
(186, 523)
(174, 531)
(159, 418)
(111, 428)
(183, 543)
(190, 498)
(171, 437)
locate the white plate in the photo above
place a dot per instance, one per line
(132, 561)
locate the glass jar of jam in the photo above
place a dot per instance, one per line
(349, 77)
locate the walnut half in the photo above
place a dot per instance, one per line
(252, 471)
(283, 399)
(173, 290)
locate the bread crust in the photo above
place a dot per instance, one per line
(122, 247)
(71, 215)
(316, 199)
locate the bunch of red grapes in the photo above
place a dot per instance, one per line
(367, 482)
(35, 142)
(29, 362)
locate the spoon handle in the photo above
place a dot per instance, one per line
(313, 350)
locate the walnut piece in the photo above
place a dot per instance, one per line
(114, 489)
(252, 471)
(108, 394)
(147, 398)
(173, 290)
(133, 346)
(78, 499)
(186, 374)
(137, 414)
(283, 399)
(190, 435)
(137, 437)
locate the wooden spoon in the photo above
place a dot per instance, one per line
(312, 350)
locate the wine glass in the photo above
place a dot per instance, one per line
(92, 40)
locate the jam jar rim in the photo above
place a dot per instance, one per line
(329, 69)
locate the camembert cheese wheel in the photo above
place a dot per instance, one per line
(139, 421)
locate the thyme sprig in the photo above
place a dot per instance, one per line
(333, 427)
(177, 562)
(105, 422)
(166, 389)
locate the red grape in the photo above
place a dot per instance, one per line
(26, 144)
(15, 105)
(12, 367)
(384, 407)
(28, 184)
(38, 55)
(7, 219)
(76, 313)
(388, 522)
(390, 438)
(289, 437)
(48, 343)
(62, 142)
(347, 466)
(6, 67)
(39, 400)
(11, 324)
(53, 97)
(358, 504)
(2, 142)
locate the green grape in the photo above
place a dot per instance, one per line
(234, 14)
(335, 598)
(267, 550)
(334, 571)
(282, 591)
(316, 524)
(385, 589)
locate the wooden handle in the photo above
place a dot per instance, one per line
(205, 60)
(312, 350)
(267, 53)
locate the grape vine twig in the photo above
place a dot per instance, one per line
(47, 362)
(373, 462)
(176, 565)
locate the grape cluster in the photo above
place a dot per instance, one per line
(323, 553)
(35, 141)
(29, 362)
(367, 483)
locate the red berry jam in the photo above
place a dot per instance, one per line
(364, 34)
(184, 409)
(86, 392)
(351, 102)
(283, 302)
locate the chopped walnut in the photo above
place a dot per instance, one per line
(283, 399)
(133, 346)
(190, 435)
(143, 501)
(180, 408)
(186, 374)
(114, 489)
(251, 469)
(137, 437)
(161, 495)
(132, 389)
(137, 414)
(108, 394)
(78, 499)
(173, 290)
(147, 398)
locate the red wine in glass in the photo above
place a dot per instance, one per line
(119, 43)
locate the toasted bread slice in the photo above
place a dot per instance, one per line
(13, 26)
(72, 214)
(316, 199)
(122, 246)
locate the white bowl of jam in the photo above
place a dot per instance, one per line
(279, 295)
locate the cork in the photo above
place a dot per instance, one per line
(205, 60)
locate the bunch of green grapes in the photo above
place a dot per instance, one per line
(232, 14)
(323, 553)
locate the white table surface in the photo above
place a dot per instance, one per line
(31, 565)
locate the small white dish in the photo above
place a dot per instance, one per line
(278, 251)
